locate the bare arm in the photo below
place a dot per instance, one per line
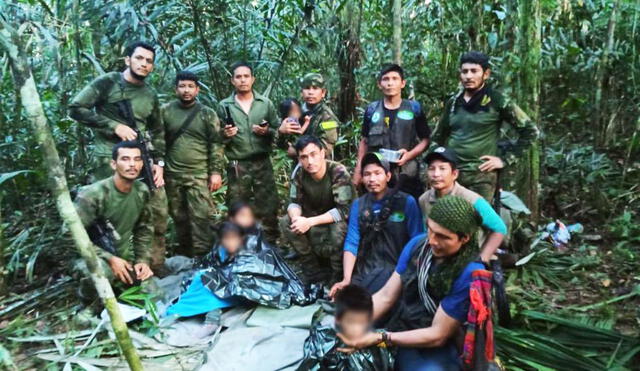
(384, 299)
(441, 330)
(491, 245)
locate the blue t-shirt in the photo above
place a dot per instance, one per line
(490, 219)
(415, 226)
(456, 302)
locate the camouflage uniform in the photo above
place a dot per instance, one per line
(324, 123)
(472, 129)
(332, 194)
(250, 173)
(95, 106)
(130, 215)
(192, 157)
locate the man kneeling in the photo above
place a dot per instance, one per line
(316, 224)
(119, 205)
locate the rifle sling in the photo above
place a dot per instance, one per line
(185, 125)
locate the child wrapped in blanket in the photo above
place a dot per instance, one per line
(353, 318)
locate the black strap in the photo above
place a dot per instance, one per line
(185, 125)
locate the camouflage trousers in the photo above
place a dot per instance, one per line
(101, 168)
(191, 208)
(320, 249)
(252, 181)
(482, 183)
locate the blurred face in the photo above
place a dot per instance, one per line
(231, 242)
(375, 178)
(311, 158)
(313, 94)
(242, 79)
(354, 324)
(295, 111)
(472, 76)
(443, 241)
(140, 63)
(128, 164)
(187, 91)
(244, 218)
(441, 175)
(391, 84)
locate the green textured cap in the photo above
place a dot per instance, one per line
(312, 79)
(455, 214)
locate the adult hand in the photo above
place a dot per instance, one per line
(120, 269)
(366, 340)
(230, 131)
(260, 130)
(143, 271)
(215, 182)
(289, 126)
(158, 175)
(300, 225)
(125, 132)
(491, 163)
(404, 158)
(337, 287)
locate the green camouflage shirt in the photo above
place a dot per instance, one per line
(472, 129)
(333, 193)
(94, 107)
(246, 144)
(198, 151)
(130, 214)
(324, 124)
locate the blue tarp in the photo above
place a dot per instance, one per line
(198, 300)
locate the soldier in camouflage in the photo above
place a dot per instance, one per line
(123, 201)
(471, 126)
(316, 220)
(318, 118)
(194, 165)
(251, 124)
(96, 107)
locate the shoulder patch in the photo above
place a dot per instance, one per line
(328, 125)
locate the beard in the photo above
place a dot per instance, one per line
(137, 76)
(187, 102)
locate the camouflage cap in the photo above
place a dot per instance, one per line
(312, 79)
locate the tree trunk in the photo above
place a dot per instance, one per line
(528, 94)
(397, 31)
(601, 75)
(10, 41)
(349, 53)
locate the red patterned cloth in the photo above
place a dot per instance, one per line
(479, 350)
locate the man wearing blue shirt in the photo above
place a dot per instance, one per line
(380, 223)
(431, 282)
(442, 171)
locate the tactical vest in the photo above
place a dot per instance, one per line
(399, 134)
(383, 235)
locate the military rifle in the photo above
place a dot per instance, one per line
(104, 235)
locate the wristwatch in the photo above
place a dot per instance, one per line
(160, 163)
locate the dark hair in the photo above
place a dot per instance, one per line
(475, 57)
(305, 140)
(286, 105)
(353, 298)
(186, 76)
(229, 227)
(239, 64)
(391, 67)
(139, 44)
(124, 144)
(235, 208)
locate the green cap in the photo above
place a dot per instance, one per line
(455, 214)
(312, 79)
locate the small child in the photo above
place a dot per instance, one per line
(353, 318)
(241, 214)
